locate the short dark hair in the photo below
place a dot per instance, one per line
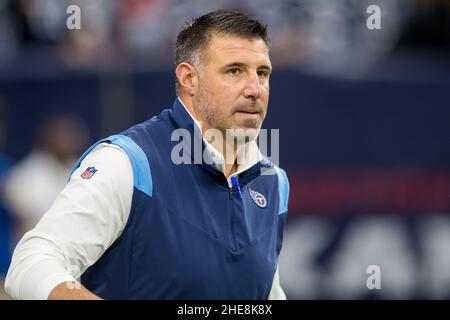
(194, 36)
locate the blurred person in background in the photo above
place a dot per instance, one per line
(33, 183)
(5, 218)
(142, 27)
(96, 44)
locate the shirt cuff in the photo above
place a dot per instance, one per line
(41, 278)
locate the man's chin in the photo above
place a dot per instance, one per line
(244, 134)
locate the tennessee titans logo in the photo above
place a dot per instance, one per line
(88, 173)
(258, 198)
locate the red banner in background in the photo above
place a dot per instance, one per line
(371, 190)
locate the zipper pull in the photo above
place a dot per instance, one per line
(235, 182)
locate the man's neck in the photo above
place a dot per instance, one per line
(229, 154)
(230, 169)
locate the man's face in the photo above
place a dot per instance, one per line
(233, 88)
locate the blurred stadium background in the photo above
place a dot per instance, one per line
(364, 119)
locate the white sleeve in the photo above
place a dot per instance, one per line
(85, 219)
(276, 293)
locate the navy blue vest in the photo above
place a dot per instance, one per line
(188, 235)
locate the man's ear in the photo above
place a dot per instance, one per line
(187, 77)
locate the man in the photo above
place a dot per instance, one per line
(137, 223)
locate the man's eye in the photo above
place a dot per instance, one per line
(234, 71)
(263, 73)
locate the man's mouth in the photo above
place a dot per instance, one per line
(253, 115)
(248, 111)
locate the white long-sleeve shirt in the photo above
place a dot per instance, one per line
(83, 222)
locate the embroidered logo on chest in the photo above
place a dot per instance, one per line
(258, 198)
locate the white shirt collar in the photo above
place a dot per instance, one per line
(249, 150)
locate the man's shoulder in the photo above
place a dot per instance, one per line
(278, 174)
(282, 175)
(271, 168)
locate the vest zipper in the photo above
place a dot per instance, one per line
(231, 213)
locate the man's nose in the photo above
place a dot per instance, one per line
(253, 87)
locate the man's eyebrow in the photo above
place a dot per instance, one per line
(236, 65)
(243, 65)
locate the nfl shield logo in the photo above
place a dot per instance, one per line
(258, 198)
(88, 173)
